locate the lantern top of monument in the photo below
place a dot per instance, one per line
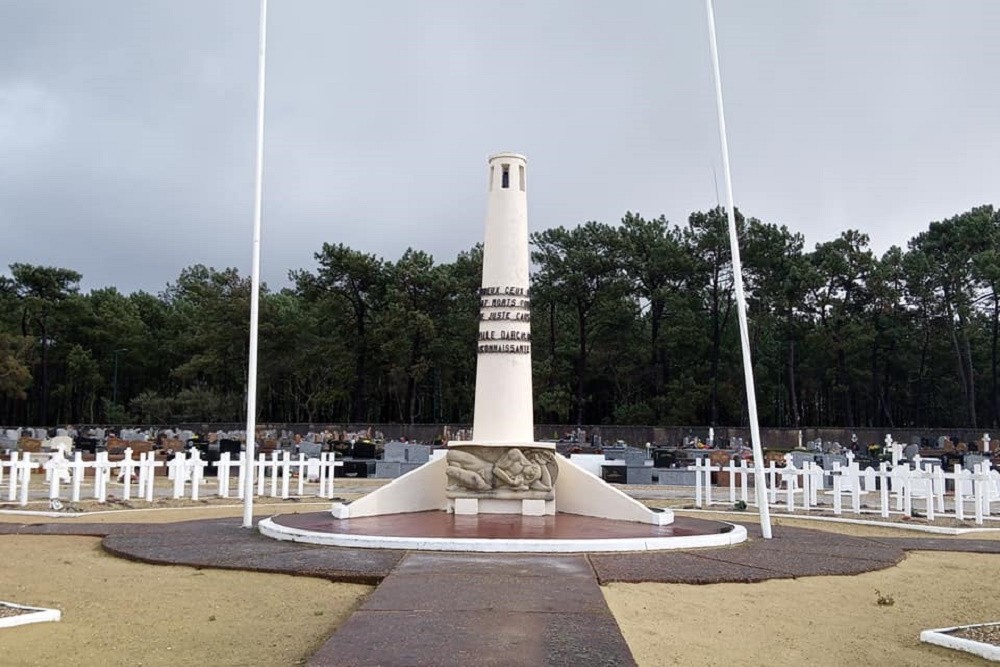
(507, 155)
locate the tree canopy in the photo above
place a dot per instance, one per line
(633, 323)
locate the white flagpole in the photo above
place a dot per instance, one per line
(760, 483)
(248, 487)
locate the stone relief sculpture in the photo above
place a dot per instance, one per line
(493, 472)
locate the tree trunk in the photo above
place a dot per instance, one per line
(655, 356)
(960, 341)
(995, 402)
(44, 416)
(844, 388)
(411, 381)
(360, 368)
(921, 394)
(581, 366)
(884, 399)
(875, 392)
(411, 400)
(552, 344)
(713, 412)
(792, 394)
(970, 374)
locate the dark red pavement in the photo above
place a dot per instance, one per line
(497, 526)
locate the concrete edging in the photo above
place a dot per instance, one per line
(277, 531)
(940, 637)
(936, 530)
(36, 615)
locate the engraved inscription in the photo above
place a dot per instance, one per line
(505, 317)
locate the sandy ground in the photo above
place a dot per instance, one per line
(116, 612)
(814, 620)
(167, 615)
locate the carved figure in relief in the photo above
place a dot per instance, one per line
(516, 470)
(513, 469)
(468, 471)
(546, 462)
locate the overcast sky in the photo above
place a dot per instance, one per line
(127, 128)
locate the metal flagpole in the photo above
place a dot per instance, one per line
(760, 482)
(248, 486)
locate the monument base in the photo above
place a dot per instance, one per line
(501, 478)
(575, 491)
(524, 507)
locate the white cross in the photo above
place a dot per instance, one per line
(196, 470)
(126, 468)
(102, 470)
(79, 467)
(58, 469)
(24, 469)
(178, 470)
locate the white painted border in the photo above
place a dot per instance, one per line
(939, 637)
(276, 531)
(939, 530)
(37, 615)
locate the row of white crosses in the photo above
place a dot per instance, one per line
(280, 466)
(19, 476)
(981, 486)
(184, 471)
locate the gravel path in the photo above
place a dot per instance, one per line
(987, 634)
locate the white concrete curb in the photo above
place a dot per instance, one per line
(36, 615)
(940, 637)
(938, 530)
(276, 531)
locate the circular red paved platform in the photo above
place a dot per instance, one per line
(443, 525)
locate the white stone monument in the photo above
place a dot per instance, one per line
(502, 470)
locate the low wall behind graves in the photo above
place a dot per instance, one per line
(772, 438)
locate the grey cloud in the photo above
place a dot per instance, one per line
(127, 128)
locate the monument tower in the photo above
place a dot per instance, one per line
(504, 405)
(502, 469)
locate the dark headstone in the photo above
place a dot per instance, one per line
(352, 469)
(614, 474)
(663, 458)
(86, 445)
(234, 447)
(363, 450)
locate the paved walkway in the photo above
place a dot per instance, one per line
(455, 610)
(447, 609)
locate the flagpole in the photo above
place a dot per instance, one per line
(760, 482)
(251, 431)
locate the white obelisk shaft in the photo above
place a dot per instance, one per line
(760, 481)
(503, 412)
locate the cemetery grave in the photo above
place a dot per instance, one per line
(982, 640)
(12, 615)
(26, 476)
(50, 474)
